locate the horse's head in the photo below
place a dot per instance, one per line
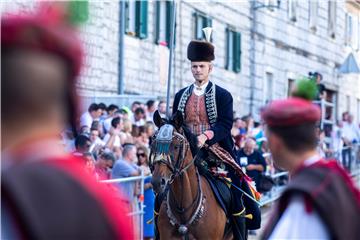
(170, 155)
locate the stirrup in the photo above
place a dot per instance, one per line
(152, 219)
(239, 213)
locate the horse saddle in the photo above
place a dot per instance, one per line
(220, 189)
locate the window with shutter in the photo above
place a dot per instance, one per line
(292, 10)
(313, 14)
(201, 21)
(229, 49)
(348, 28)
(355, 33)
(136, 18)
(268, 89)
(141, 19)
(233, 50)
(130, 24)
(332, 18)
(169, 10)
(237, 52)
(163, 22)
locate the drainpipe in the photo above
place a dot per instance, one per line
(121, 47)
(172, 36)
(252, 54)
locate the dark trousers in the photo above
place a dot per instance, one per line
(237, 203)
(347, 158)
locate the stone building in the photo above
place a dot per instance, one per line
(261, 47)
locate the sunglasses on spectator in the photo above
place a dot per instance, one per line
(140, 154)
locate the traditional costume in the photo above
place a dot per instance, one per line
(208, 109)
(321, 201)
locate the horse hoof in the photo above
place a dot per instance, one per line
(182, 229)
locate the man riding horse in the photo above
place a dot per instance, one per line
(207, 110)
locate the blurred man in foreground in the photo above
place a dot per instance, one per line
(321, 201)
(46, 194)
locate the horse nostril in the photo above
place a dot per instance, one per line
(163, 181)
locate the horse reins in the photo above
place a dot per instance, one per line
(177, 171)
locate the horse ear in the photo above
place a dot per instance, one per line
(177, 119)
(158, 120)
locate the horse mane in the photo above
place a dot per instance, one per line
(192, 139)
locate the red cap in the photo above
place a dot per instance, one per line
(46, 31)
(290, 112)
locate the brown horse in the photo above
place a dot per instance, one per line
(189, 210)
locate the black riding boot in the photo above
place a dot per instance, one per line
(238, 210)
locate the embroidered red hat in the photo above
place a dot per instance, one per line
(290, 112)
(45, 30)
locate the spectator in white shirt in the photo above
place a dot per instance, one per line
(150, 109)
(139, 117)
(134, 106)
(96, 142)
(113, 137)
(337, 142)
(162, 109)
(112, 111)
(351, 137)
(350, 130)
(93, 113)
(103, 108)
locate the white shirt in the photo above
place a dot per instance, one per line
(351, 132)
(296, 222)
(336, 139)
(117, 141)
(107, 124)
(138, 123)
(98, 141)
(200, 90)
(86, 119)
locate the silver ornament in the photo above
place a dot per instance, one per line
(182, 229)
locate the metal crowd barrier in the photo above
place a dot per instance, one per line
(140, 212)
(354, 171)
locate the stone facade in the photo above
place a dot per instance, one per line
(284, 49)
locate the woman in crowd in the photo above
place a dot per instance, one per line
(143, 163)
(127, 129)
(142, 138)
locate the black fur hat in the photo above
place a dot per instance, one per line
(200, 51)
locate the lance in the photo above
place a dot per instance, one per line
(171, 46)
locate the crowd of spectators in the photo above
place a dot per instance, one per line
(345, 140)
(341, 142)
(114, 143)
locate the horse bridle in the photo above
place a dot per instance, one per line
(162, 142)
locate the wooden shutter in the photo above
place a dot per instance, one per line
(141, 19)
(237, 52)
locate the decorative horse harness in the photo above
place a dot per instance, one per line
(161, 155)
